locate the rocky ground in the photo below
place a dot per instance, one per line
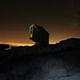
(59, 61)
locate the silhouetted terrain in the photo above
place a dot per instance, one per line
(3, 46)
(59, 61)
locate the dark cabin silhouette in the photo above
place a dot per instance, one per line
(38, 34)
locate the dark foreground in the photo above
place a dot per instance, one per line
(54, 62)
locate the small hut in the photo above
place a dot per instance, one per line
(38, 34)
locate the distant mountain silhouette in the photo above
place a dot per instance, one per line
(72, 42)
(3, 46)
(59, 61)
(69, 43)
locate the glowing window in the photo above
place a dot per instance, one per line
(31, 35)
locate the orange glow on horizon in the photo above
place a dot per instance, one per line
(15, 44)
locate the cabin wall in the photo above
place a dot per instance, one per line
(39, 35)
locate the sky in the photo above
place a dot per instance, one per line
(61, 18)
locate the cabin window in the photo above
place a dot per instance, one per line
(31, 35)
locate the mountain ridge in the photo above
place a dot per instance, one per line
(59, 61)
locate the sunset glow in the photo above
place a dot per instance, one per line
(60, 18)
(15, 44)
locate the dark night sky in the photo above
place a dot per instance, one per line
(61, 18)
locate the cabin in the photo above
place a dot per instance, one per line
(38, 34)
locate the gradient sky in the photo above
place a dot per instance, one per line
(61, 18)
